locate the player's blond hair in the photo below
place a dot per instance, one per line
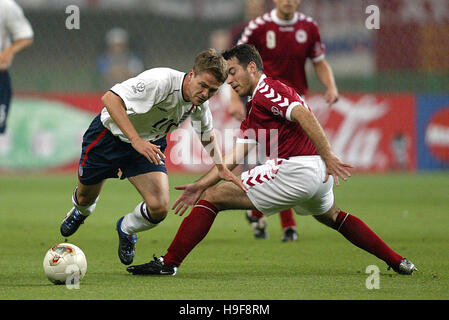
(213, 62)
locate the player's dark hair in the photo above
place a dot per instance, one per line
(211, 61)
(245, 53)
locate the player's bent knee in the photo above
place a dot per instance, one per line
(158, 211)
(87, 194)
(211, 195)
(85, 199)
(329, 217)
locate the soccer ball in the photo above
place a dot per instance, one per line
(65, 263)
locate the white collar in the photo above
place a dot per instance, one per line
(181, 95)
(261, 79)
(281, 22)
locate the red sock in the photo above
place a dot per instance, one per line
(287, 219)
(192, 230)
(257, 214)
(357, 232)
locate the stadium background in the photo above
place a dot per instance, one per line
(393, 112)
(392, 80)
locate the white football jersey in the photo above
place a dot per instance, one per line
(13, 24)
(155, 105)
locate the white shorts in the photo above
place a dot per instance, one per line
(297, 183)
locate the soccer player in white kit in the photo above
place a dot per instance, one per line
(16, 34)
(129, 136)
(299, 175)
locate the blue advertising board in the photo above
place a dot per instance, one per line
(432, 132)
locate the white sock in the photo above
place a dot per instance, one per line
(85, 210)
(138, 220)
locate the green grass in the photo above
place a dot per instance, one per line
(409, 211)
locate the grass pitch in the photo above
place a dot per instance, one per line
(409, 211)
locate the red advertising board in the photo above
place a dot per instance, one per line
(372, 132)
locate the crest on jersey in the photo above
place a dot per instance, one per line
(276, 111)
(140, 87)
(301, 36)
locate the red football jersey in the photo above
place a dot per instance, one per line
(285, 46)
(268, 121)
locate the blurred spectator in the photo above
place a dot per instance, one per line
(220, 39)
(219, 104)
(252, 10)
(118, 63)
(16, 34)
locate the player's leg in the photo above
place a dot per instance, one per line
(359, 234)
(227, 196)
(154, 189)
(323, 207)
(288, 225)
(197, 224)
(151, 182)
(258, 223)
(195, 227)
(256, 219)
(84, 200)
(5, 99)
(94, 168)
(149, 213)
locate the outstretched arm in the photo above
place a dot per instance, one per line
(117, 110)
(315, 132)
(222, 172)
(193, 191)
(7, 55)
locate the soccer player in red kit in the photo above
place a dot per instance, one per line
(285, 40)
(299, 174)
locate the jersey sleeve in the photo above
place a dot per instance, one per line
(18, 25)
(278, 100)
(141, 93)
(251, 33)
(201, 119)
(317, 48)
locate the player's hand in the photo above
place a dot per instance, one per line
(331, 96)
(225, 174)
(6, 58)
(336, 169)
(151, 151)
(190, 196)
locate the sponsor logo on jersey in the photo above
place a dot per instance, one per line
(286, 29)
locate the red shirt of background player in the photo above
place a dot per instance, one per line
(285, 46)
(268, 110)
